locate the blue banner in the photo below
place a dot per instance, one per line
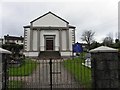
(77, 47)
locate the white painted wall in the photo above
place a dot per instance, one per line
(49, 20)
(1, 42)
(42, 44)
(15, 41)
(27, 39)
(31, 54)
(64, 47)
(71, 38)
(19, 42)
(49, 32)
(35, 54)
(34, 40)
(46, 21)
(11, 41)
(66, 53)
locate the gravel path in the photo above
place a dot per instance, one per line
(41, 77)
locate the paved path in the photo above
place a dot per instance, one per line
(41, 77)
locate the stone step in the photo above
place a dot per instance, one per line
(49, 54)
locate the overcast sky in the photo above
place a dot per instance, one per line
(101, 16)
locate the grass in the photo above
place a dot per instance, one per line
(24, 70)
(81, 73)
(15, 85)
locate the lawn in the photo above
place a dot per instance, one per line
(15, 85)
(24, 70)
(81, 73)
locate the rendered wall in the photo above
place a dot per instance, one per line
(35, 54)
(66, 53)
(49, 20)
(64, 42)
(49, 32)
(31, 54)
(27, 39)
(71, 38)
(35, 40)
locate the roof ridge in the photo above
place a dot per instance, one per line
(48, 13)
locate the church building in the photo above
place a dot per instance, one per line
(48, 32)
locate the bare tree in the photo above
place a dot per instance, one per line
(108, 40)
(88, 37)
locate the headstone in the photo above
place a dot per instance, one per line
(87, 63)
(87, 60)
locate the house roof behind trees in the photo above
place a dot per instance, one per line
(7, 37)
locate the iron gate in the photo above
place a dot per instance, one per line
(49, 73)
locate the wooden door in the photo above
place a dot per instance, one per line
(49, 44)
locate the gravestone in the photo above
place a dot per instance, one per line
(87, 62)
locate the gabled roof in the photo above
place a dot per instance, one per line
(47, 14)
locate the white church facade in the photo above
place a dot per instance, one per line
(48, 32)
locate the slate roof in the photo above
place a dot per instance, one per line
(7, 37)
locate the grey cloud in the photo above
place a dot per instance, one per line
(100, 17)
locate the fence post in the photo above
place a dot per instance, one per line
(50, 73)
(119, 67)
(104, 67)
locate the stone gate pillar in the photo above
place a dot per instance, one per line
(104, 67)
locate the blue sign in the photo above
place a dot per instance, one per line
(77, 47)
